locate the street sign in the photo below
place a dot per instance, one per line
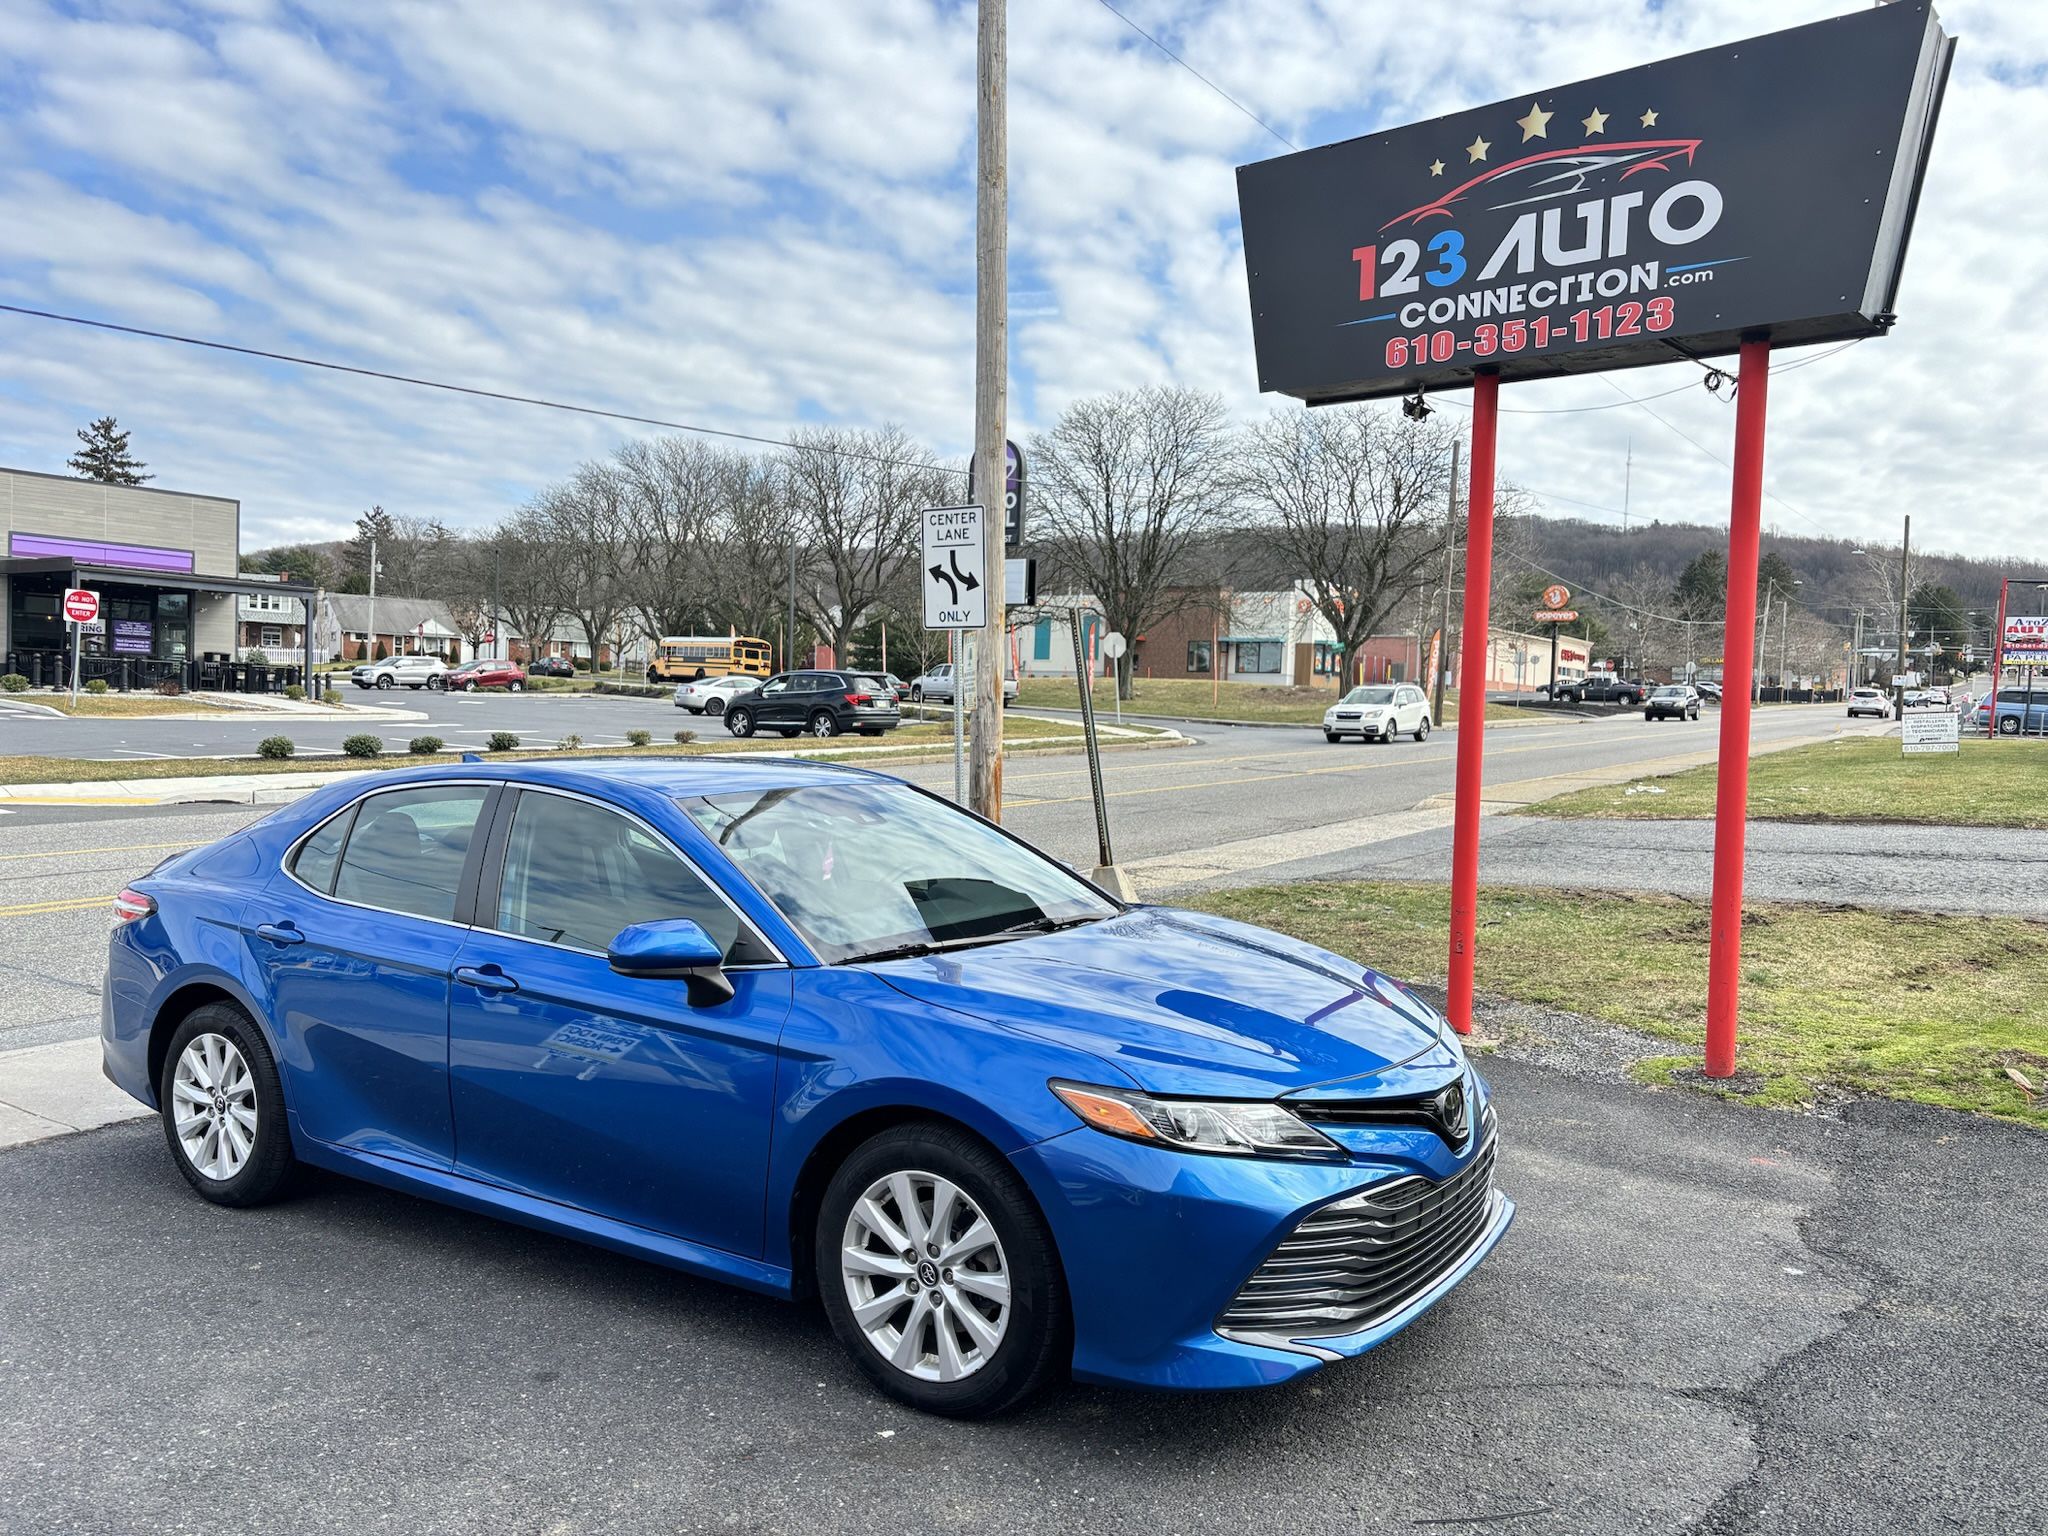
(1557, 616)
(1020, 582)
(1938, 730)
(1013, 493)
(81, 606)
(1555, 596)
(1114, 645)
(1765, 185)
(954, 552)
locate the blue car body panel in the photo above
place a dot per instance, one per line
(610, 1109)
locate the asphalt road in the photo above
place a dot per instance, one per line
(1706, 1319)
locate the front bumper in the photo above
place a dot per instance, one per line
(1157, 1243)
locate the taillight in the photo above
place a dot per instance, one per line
(859, 700)
(131, 905)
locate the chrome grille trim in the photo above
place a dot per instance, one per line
(1351, 1265)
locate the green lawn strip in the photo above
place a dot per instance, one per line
(1186, 698)
(1903, 1005)
(1863, 778)
(1019, 734)
(119, 706)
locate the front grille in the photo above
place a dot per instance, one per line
(1447, 1111)
(1363, 1259)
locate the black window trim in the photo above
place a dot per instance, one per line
(472, 859)
(490, 885)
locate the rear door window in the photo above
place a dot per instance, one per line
(408, 848)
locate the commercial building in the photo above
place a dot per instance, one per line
(164, 565)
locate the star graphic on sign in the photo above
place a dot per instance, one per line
(1477, 149)
(1650, 118)
(1532, 126)
(1436, 167)
(1596, 122)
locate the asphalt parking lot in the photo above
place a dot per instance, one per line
(1707, 1318)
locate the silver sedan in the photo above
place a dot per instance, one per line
(710, 695)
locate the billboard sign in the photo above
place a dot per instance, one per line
(2026, 640)
(1765, 186)
(1013, 493)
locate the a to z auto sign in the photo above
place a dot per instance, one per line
(1763, 187)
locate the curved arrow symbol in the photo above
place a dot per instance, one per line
(967, 579)
(938, 573)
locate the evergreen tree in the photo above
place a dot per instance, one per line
(375, 525)
(103, 455)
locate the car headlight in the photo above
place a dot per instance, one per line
(1236, 1127)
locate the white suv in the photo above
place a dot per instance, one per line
(937, 686)
(1868, 701)
(401, 671)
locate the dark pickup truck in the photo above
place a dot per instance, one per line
(1603, 690)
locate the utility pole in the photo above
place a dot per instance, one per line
(1784, 634)
(1764, 638)
(1855, 652)
(370, 639)
(991, 377)
(1627, 473)
(1898, 672)
(1443, 650)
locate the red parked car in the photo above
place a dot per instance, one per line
(485, 674)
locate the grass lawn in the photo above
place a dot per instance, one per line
(1904, 1005)
(117, 706)
(1193, 698)
(1988, 784)
(1018, 735)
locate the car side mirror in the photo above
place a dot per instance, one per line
(673, 948)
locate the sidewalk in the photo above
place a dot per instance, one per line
(54, 1090)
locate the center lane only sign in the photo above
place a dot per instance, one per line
(954, 551)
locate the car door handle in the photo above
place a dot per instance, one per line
(485, 978)
(280, 933)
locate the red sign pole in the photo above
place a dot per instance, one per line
(1472, 700)
(1731, 798)
(1997, 661)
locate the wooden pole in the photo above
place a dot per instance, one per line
(991, 371)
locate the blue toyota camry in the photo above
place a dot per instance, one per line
(813, 1031)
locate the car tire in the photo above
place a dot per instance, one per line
(740, 721)
(516, 686)
(469, 685)
(1331, 736)
(2009, 725)
(435, 685)
(713, 706)
(917, 695)
(823, 725)
(1002, 1349)
(234, 1148)
(1422, 730)
(384, 682)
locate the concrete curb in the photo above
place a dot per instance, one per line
(55, 1090)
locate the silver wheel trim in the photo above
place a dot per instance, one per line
(213, 1106)
(915, 1220)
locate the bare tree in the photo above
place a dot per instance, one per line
(1355, 500)
(747, 552)
(587, 527)
(1126, 487)
(676, 489)
(530, 586)
(855, 498)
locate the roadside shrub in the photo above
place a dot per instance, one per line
(581, 663)
(639, 738)
(503, 741)
(570, 742)
(331, 696)
(13, 682)
(684, 738)
(97, 685)
(424, 746)
(294, 691)
(276, 748)
(383, 652)
(363, 745)
(170, 687)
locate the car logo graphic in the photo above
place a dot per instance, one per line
(1451, 1113)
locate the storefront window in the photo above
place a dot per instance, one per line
(1198, 656)
(1258, 656)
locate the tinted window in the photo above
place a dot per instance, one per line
(406, 850)
(576, 873)
(315, 860)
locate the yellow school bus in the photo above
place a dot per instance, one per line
(678, 658)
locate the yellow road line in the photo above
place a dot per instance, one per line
(74, 853)
(73, 904)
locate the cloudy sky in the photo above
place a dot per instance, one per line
(756, 213)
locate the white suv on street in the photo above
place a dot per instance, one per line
(401, 672)
(1868, 701)
(1379, 711)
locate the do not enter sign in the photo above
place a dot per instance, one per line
(81, 606)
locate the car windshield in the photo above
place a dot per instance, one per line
(1369, 696)
(867, 870)
(1670, 693)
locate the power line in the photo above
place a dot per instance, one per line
(469, 389)
(1614, 602)
(1184, 64)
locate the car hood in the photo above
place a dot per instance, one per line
(1185, 1003)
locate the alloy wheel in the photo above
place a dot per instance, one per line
(214, 1106)
(925, 1276)
(823, 724)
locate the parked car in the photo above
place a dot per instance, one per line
(1564, 690)
(1868, 701)
(930, 1076)
(1378, 711)
(2018, 711)
(472, 675)
(936, 686)
(401, 672)
(710, 695)
(551, 666)
(900, 690)
(1675, 701)
(823, 703)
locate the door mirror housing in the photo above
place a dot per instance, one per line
(674, 948)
